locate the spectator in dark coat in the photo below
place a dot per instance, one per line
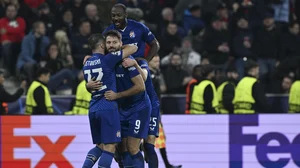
(291, 41)
(6, 97)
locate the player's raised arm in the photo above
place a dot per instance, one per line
(129, 50)
(128, 62)
(154, 48)
(138, 86)
(150, 39)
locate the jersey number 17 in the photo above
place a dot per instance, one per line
(97, 75)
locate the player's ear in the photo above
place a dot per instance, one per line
(102, 46)
(121, 43)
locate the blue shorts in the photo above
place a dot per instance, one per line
(154, 122)
(135, 124)
(105, 126)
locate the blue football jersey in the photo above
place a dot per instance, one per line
(135, 102)
(135, 33)
(102, 67)
(149, 85)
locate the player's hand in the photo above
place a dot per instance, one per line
(127, 62)
(86, 58)
(93, 85)
(111, 95)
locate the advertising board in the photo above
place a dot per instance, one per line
(195, 141)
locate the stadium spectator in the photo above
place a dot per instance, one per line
(25, 12)
(176, 77)
(170, 39)
(91, 12)
(33, 49)
(249, 95)
(44, 14)
(291, 41)
(286, 84)
(223, 13)
(242, 44)
(192, 19)
(190, 58)
(226, 91)
(38, 100)
(80, 47)
(6, 97)
(156, 76)
(61, 77)
(216, 43)
(204, 98)
(267, 47)
(67, 23)
(190, 87)
(64, 48)
(167, 15)
(78, 8)
(12, 31)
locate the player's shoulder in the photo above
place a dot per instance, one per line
(134, 23)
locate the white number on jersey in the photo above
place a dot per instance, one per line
(99, 76)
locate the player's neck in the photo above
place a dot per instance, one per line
(98, 52)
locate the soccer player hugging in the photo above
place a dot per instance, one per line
(137, 102)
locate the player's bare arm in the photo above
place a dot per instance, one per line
(154, 48)
(127, 62)
(138, 86)
(86, 58)
(128, 50)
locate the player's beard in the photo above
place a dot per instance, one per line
(113, 49)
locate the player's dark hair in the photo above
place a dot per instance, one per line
(94, 40)
(119, 5)
(113, 33)
(42, 71)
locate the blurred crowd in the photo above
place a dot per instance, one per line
(224, 33)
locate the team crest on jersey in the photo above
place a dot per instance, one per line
(132, 34)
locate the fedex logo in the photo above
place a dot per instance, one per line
(53, 151)
(238, 139)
